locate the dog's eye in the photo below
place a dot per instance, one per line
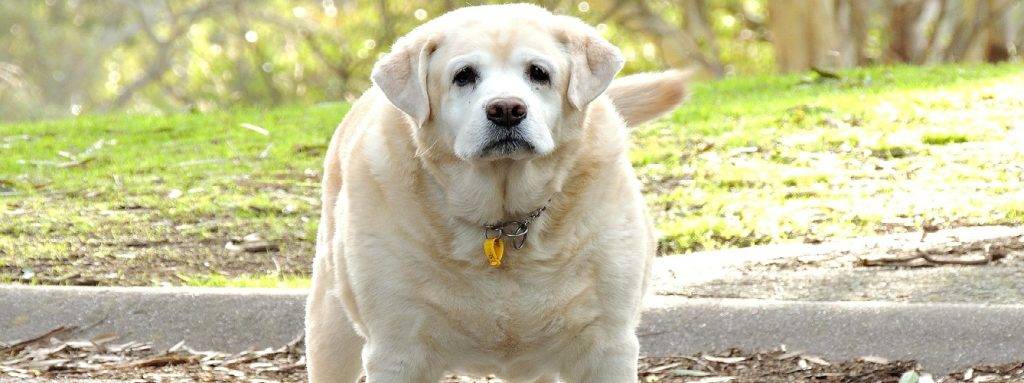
(538, 74)
(465, 76)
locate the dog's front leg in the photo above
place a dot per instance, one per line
(400, 362)
(333, 347)
(612, 361)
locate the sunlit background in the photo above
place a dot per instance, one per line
(69, 57)
(828, 151)
(162, 142)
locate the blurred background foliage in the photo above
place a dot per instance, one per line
(67, 57)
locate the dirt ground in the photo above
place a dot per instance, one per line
(981, 264)
(46, 359)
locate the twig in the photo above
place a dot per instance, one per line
(20, 345)
(991, 253)
(952, 261)
(160, 361)
(928, 227)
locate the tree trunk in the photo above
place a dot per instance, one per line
(967, 31)
(678, 48)
(696, 13)
(853, 20)
(907, 43)
(804, 34)
(999, 42)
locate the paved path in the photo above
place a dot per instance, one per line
(941, 336)
(829, 271)
(206, 318)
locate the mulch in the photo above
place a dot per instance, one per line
(48, 358)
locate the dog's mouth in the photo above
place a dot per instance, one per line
(509, 146)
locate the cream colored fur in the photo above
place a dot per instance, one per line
(401, 289)
(642, 97)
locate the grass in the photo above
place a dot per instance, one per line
(262, 281)
(144, 200)
(140, 200)
(768, 159)
(944, 137)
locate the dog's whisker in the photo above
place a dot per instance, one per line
(424, 152)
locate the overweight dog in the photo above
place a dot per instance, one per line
(480, 214)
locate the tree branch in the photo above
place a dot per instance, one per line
(161, 63)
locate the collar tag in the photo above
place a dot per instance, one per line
(494, 236)
(494, 249)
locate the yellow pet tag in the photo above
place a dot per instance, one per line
(494, 249)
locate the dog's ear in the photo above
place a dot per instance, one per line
(593, 62)
(402, 76)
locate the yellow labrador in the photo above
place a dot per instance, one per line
(480, 214)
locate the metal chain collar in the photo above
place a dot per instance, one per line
(514, 230)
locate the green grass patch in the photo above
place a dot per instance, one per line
(144, 199)
(1015, 210)
(944, 137)
(137, 199)
(779, 158)
(260, 281)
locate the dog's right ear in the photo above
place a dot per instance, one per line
(402, 76)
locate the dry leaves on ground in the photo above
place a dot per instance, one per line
(45, 357)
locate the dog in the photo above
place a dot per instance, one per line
(480, 213)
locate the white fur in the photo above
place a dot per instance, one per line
(499, 80)
(402, 291)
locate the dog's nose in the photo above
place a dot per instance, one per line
(506, 112)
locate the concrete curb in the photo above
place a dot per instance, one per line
(206, 318)
(941, 336)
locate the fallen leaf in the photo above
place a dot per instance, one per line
(255, 128)
(910, 377)
(817, 360)
(266, 152)
(727, 360)
(104, 338)
(160, 361)
(690, 373)
(664, 367)
(252, 247)
(717, 379)
(788, 355)
(873, 359)
(27, 274)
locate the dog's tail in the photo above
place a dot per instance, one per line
(642, 97)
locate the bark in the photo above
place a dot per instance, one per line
(859, 25)
(697, 25)
(161, 62)
(908, 42)
(936, 29)
(853, 18)
(678, 47)
(967, 32)
(804, 34)
(999, 43)
(387, 23)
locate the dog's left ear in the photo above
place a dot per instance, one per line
(402, 76)
(593, 62)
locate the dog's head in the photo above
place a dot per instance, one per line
(497, 82)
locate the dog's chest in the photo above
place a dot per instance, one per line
(500, 317)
